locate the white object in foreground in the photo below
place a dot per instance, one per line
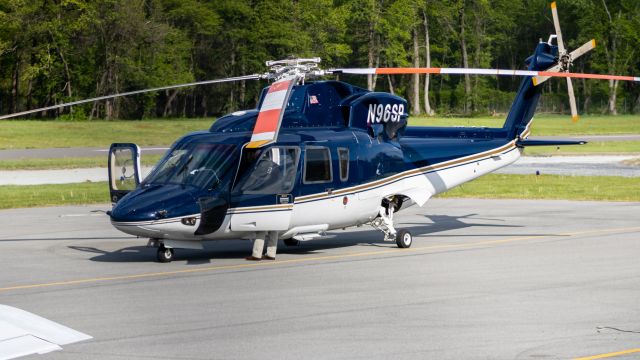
(23, 333)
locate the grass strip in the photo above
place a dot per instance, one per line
(548, 125)
(67, 163)
(22, 196)
(492, 186)
(35, 134)
(553, 187)
(32, 134)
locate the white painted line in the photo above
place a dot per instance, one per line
(82, 215)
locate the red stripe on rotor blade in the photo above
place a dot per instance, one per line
(586, 76)
(278, 86)
(267, 121)
(398, 71)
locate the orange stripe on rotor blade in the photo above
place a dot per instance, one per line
(267, 121)
(398, 71)
(586, 76)
(278, 86)
(257, 144)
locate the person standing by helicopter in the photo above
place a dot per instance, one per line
(258, 246)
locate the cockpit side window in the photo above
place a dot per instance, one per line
(273, 173)
(163, 172)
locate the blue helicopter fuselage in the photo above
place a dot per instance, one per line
(341, 150)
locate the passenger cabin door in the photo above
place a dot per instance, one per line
(327, 171)
(124, 170)
(262, 197)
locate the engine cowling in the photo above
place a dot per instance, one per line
(380, 113)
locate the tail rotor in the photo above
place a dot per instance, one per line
(565, 60)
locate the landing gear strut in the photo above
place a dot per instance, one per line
(384, 223)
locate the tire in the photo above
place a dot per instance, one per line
(291, 242)
(165, 254)
(404, 239)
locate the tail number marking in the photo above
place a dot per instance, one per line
(384, 113)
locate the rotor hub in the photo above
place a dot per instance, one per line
(565, 61)
(279, 69)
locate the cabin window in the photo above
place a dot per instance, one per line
(317, 167)
(343, 157)
(273, 173)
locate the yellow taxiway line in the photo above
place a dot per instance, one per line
(608, 355)
(311, 259)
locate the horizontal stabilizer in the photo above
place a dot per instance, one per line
(541, 142)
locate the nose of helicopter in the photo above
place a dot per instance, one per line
(156, 203)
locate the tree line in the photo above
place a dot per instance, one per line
(55, 51)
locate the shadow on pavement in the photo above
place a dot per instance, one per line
(238, 249)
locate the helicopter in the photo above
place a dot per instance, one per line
(315, 156)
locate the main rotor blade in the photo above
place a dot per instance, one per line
(271, 112)
(556, 24)
(588, 46)
(106, 97)
(551, 72)
(572, 101)
(443, 71)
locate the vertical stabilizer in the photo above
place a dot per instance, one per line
(526, 101)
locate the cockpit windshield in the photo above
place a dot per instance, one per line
(202, 165)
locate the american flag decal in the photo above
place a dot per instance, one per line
(271, 112)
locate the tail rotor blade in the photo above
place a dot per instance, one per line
(107, 97)
(588, 46)
(556, 24)
(537, 80)
(572, 101)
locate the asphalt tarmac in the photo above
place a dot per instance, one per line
(484, 279)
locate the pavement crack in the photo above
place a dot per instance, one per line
(599, 328)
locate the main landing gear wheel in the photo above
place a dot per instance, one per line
(404, 239)
(291, 242)
(165, 254)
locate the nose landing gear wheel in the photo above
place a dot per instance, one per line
(165, 254)
(404, 239)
